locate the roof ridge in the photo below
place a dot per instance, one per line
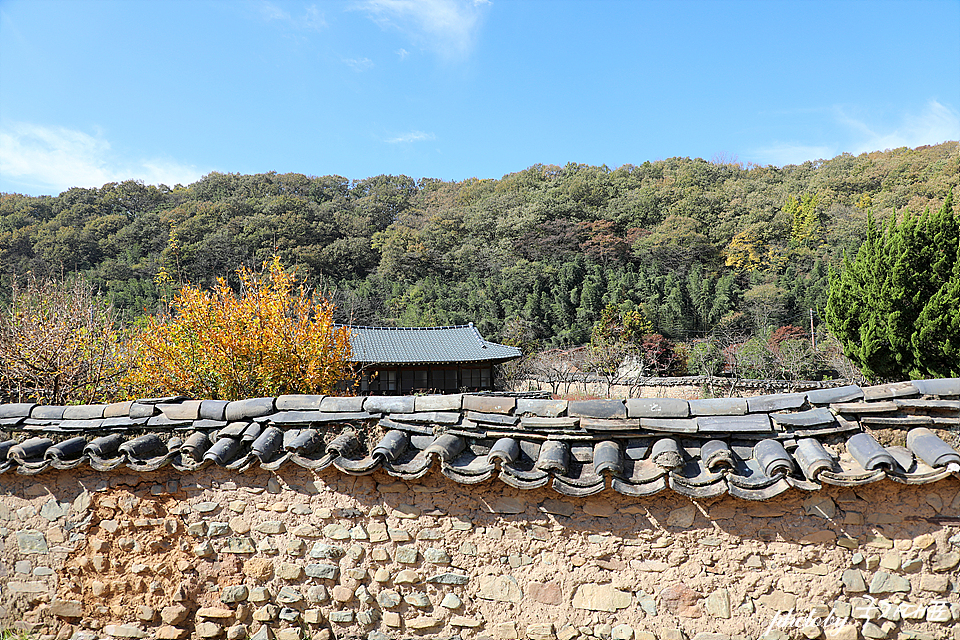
(452, 326)
(476, 333)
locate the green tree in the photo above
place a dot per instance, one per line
(805, 217)
(896, 306)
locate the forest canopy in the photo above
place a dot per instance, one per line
(534, 257)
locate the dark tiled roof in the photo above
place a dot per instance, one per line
(426, 345)
(753, 450)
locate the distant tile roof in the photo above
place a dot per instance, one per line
(426, 345)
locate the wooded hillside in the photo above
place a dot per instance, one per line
(533, 257)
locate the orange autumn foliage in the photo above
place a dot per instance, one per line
(270, 339)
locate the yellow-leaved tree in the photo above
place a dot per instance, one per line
(271, 338)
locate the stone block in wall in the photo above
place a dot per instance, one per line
(943, 562)
(340, 617)
(601, 597)
(545, 592)
(853, 581)
(322, 571)
(124, 631)
(289, 595)
(883, 582)
(540, 631)
(392, 619)
(28, 587)
(934, 583)
(508, 505)
(557, 507)
(463, 621)
(569, 632)
(421, 623)
(239, 545)
(208, 630)
(406, 555)
(30, 541)
(449, 578)
(234, 594)
(52, 509)
(407, 576)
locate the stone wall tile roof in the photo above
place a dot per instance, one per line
(754, 449)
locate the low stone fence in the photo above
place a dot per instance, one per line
(299, 555)
(830, 513)
(684, 387)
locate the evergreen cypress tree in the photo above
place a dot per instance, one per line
(896, 306)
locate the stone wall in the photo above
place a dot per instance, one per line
(296, 555)
(685, 387)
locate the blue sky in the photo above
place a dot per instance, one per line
(167, 91)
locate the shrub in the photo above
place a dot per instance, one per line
(59, 344)
(784, 334)
(270, 339)
(705, 358)
(662, 357)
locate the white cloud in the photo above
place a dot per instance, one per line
(53, 159)
(447, 26)
(271, 12)
(934, 124)
(784, 153)
(359, 64)
(411, 136)
(311, 19)
(403, 53)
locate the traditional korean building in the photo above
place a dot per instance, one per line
(404, 360)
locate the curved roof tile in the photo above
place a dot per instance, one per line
(425, 345)
(577, 448)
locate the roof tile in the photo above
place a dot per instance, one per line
(702, 456)
(425, 345)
